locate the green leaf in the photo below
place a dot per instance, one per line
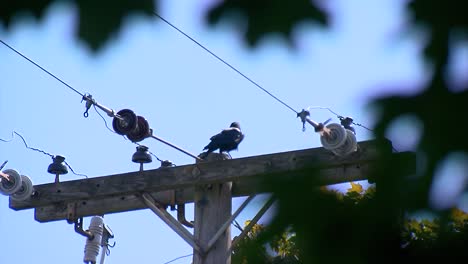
(355, 187)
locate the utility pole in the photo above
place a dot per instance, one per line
(213, 204)
(209, 184)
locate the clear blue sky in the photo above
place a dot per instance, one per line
(187, 96)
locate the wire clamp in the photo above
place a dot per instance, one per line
(303, 115)
(89, 102)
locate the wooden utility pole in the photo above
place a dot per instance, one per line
(210, 185)
(213, 204)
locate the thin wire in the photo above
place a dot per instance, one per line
(37, 65)
(35, 149)
(103, 119)
(326, 108)
(338, 115)
(223, 61)
(178, 258)
(78, 174)
(357, 124)
(41, 151)
(12, 137)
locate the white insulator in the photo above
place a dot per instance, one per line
(12, 185)
(25, 191)
(92, 246)
(349, 146)
(335, 139)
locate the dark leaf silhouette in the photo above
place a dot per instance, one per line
(264, 17)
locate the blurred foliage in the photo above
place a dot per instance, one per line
(98, 21)
(418, 238)
(264, 17)
(350, 229)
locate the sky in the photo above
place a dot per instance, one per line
(187, 96)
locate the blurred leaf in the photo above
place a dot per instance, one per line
(440, 112)
(355, 187)
(441, 19)
(264, 17)
(98, 21)
(14, 9)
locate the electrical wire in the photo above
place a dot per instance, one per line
(339, 116)
(35, 149)
(326, 108)
(178, 258)
(40, 150)
(77, 174)
(243, 75)
(226, 63)
(9, 140)
(37, 65)
(103, 119)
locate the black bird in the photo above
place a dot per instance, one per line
(228, 139)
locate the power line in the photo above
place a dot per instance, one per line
(226, 63)
(243, 75)
(37, 65)
(9, 140)
(339, 116)
(103, 119)
(35, 149)
(178, 258)
(77, 174)
(40, 150)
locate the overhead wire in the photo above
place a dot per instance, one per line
(40, 150)
(103, 119)
(242, 74)
(223, 61)
(67, 85)
(172, 260)
(9, 140)
(200, 45)
(339, 116)
(35, 149)
(37, 65)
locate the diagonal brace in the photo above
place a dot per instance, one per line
(171, 222)
(228, 222)
(257, 217)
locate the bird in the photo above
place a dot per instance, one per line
(228, 139)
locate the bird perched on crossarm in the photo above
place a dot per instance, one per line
(228, 139)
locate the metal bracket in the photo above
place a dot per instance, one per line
(71, 213)
(318, 127)
(79, 229)
(90, 101)
(171, 222)
(181, 216)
